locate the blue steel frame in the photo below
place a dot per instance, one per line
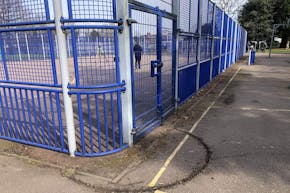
(102, 90)
(42, 114)
(34, 129)
(155, 11)
(52, 56)
(148, 126)
(221, 60)
(190, 67)
(73, 19)
(47, 21)
(40, 106)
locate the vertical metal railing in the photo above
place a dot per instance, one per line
(68, 115)
(96, 87)
(220, 46)
(30, 92)
(212, 43)
(63, 79)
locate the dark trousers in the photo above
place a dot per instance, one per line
(137, 61)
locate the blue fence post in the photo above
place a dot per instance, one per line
(159, 58)
(227, 39)
(221, 42)
(212, 42)
(3, 57)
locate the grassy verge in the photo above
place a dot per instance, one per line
(279, 51)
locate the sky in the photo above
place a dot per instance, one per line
(233, 9)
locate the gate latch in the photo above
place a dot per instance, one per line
(130, 21)
(155, 66)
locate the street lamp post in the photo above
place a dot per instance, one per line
(275, 27)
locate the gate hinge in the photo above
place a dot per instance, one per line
(120, 25)
(133, 132)
(62, 25)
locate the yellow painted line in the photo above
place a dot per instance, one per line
(173, 154)
(158, 191)
(167, 162)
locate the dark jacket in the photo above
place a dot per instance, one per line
(138, 50)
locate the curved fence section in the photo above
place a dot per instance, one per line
(98, 121)
(33, 116)
(60, 75)
(95, 85)
(32, 94)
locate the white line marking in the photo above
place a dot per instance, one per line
(264, 109)
(255, 109)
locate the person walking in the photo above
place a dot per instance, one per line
(138, 55)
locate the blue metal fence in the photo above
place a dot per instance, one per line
(217, 51)
(154, 79)
(175, 64)
(32, 103)
(30, 90)
(95, 85)
(32, 116)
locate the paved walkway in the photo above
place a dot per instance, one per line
(19, 175)
(248, 131)
(233, 137)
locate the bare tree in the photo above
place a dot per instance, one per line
(231, 7)
(11, 11)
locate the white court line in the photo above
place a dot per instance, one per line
(255, 109)
(173, 154)
(264, 109)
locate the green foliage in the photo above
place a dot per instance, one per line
(281, 11)
(259, 16)
(257, 19)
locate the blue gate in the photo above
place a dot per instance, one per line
(32, 104)
(153, 65)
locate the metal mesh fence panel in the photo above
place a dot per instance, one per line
(187, 50)
(19, 11)
(29, 58)
(184, 10)
(207, 18)
(91, 9)
(205, 48)
(93, 60)
(218, 22)
(194, 16)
